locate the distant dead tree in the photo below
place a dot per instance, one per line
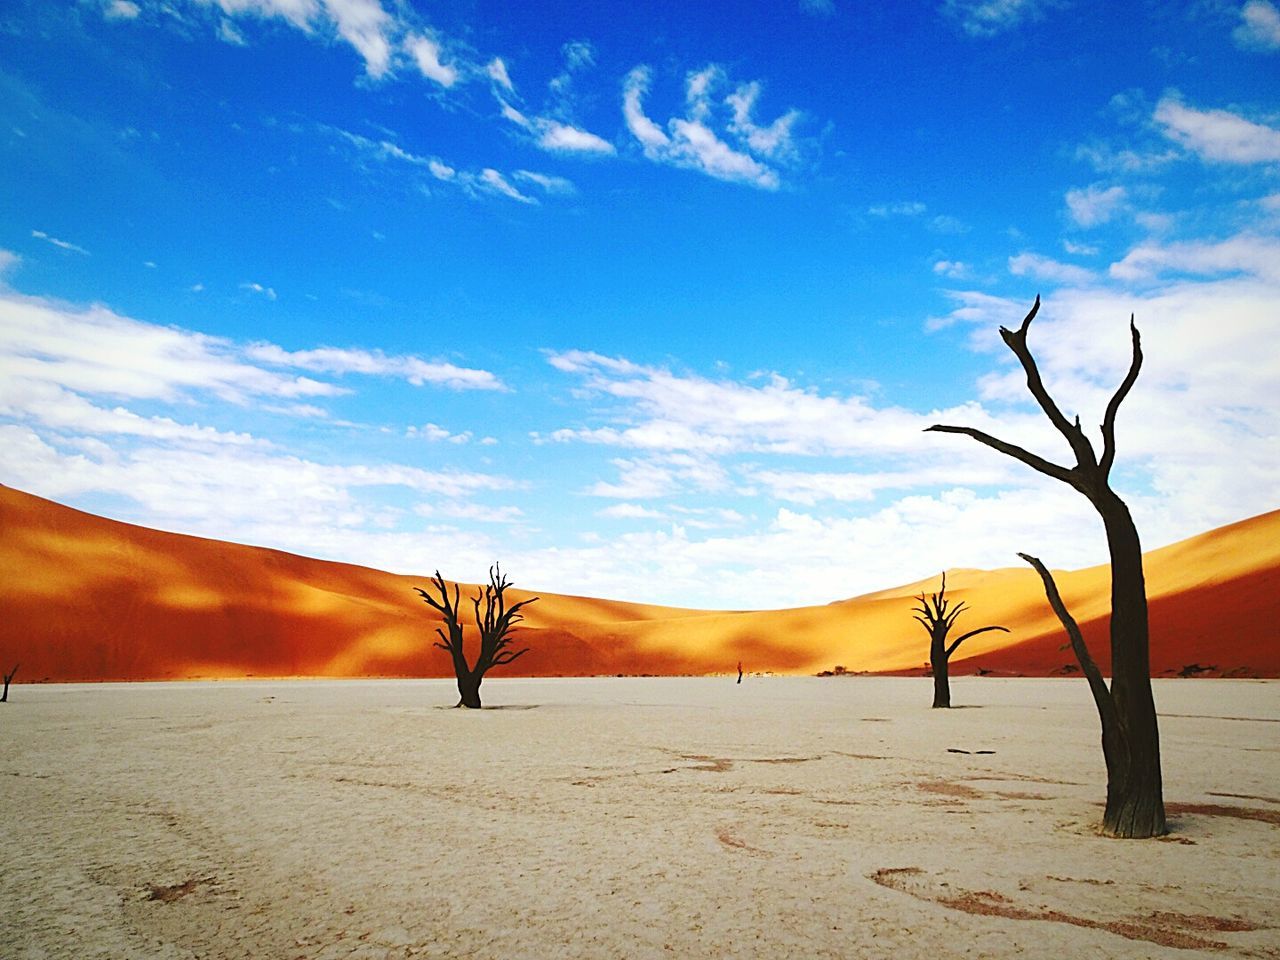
(937, 616)
(1130, 736)
(739, 671)
(495, 622)
(8, 679)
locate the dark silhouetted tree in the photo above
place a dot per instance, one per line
(937, 616)
(739, 671)
(495, 622)
(8, 679)
(1130, 735)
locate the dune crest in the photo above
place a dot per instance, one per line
(86, 598)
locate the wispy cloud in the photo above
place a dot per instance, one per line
(1046, 268)
(426, 53)
(1094, 205)
(987, 18)
(415, 370)
(692, 142)
(60, 244)
(1218, 135)
(252, 287)
(121, 10)
(485, 182)
(1259, 27)
(902, 208)
(1248, 254)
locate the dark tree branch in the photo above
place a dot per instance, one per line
(8, 679)
(1017, 342)
(1109, 419)
(972, 633)
(1101, 695)
(1011, 450)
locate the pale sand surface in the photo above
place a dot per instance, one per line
(625, 818)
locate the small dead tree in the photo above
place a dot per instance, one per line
(937, 616)
(8, 679)
(1130, 735)
(739, 671)
(495, 622)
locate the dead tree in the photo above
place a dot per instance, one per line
(495, 622)
(937, 616)
(1130, 735)
(8, 679)
(739, 671)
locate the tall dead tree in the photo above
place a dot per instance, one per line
(937, 616)
(8, 679)
(495, 622)
(1130, 735)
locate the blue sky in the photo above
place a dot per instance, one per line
(649, 301)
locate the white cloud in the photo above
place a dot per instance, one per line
(434, 433)
(630, 511)
(94, 350)
(60, 244)
(944, 223)
(1079, 249)
(548, 183)
(121, 10)
(376, 363)
(691, 143)
(578, 55)
(367, 27)
(1218, 134)
(229, 33)
(497, 71)
(267, 292)
(1247, 254)
(564, 138)
(773, 141)
(1045, 268)
(486, 182)
(471, 512)
(903, 208)
(987, 18)
(955, 269)
(1259, 27)
(658, 410)
(1094, 205)
(497, 183)
(1105, 158)
(426, 54)
(8, 260)
(661, 475)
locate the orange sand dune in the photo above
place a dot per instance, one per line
(86, 598)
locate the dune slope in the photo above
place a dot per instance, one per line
(86, 598)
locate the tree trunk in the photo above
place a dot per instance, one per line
(469, 689)
(8, 678)
(1135, 804)
(941, 682)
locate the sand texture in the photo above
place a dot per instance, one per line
(785, 817)
(86, 598)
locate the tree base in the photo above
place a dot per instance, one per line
(1135, 817)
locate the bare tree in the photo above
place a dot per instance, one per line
(937, 616)
(495, 622)
(8, 679)
(1130, 735)
(739, 671)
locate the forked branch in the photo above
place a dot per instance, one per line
(1109, 418)
(1101, 694)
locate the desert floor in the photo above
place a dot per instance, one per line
(785, 817)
